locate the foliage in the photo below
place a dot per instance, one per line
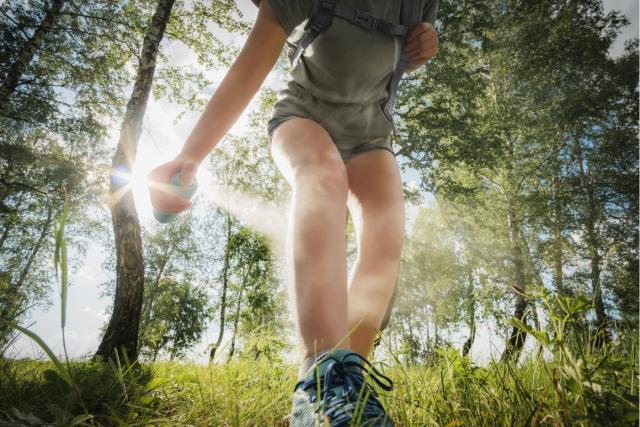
(516, 124)
(61, 268)
(172, 268)
(177, 320)
(33, 394)
(523, 127)
(262, 317)
(452, 392)
(252, 192)
(53, 129)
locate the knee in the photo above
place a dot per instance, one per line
(322, 175)
(387, 235)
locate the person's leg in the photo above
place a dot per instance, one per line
(316, 253)
(376, 204)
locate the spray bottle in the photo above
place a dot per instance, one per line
(180, 189)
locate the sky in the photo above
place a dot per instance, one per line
(160, 141)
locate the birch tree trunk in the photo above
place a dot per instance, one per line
(225, 287)
(516, 339)
(148, 302)
(536, 279)
(5, 235)
(558, 260)
(122, 332)
(232, 349)
(18, 68)
(46, 226)
(436, 338)
(471, 321)
(593, 243)
(11, 305)
(427, 320)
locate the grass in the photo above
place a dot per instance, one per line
(579, 383)
(453, 392)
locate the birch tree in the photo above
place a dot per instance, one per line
(122, 331)
(121, 334)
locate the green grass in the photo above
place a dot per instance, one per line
(582, 383)
(454, 392)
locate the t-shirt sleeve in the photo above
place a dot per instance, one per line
(430, 11)
(291, 13)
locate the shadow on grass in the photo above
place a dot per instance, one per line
(32, 393)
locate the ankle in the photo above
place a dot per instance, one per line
(320, 359)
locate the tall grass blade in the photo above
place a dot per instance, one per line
(56, 362)
(80, 420)
(60, 261)
(63, 283)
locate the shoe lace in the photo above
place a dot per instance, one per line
(338, 404)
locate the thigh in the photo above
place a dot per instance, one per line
(301, 144)
(376, 202)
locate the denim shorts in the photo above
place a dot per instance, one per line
(354, 128)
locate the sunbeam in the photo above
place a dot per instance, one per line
(265, 217)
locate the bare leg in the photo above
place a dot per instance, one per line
(376, 204)
(316, 252)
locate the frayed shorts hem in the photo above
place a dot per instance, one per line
(346, 154)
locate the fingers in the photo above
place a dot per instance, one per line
(422, 42)
(163, 195)
(176, 205)
(419, 29)
(164, 172)
(164, 198)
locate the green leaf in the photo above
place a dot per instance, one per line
(541, 336)
(80, 419)
(574, 386)
(63, 283)
(60, 260)
(187, 378)
(156, 383)
(60, 369)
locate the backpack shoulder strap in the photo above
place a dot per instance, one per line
(367, 21)
(318, 23)
(322, 19)
(410, 15)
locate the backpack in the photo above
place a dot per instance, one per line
(322, 18)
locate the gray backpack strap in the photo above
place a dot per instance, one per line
(318, 23)
(410, 15)
(367, 21)
(322, 19)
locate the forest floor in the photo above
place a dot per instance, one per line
(578, 391)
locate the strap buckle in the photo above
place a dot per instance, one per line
(365, 20)
(328, 5)
(322, 19)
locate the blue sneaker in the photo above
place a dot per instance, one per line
(333, 392)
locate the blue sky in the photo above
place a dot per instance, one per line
(160, 141)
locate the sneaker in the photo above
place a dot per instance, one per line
(334, 392)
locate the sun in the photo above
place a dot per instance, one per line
(136, 182)
(140, 187)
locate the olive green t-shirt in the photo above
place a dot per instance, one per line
(346, 64)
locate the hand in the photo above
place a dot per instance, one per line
(163, 198)
(421, 45)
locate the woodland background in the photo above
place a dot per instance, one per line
(519, 146)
